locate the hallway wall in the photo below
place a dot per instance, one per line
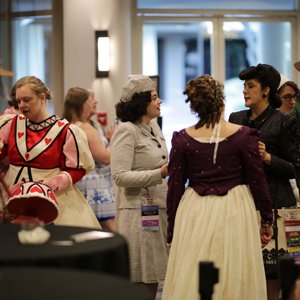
(81, 19)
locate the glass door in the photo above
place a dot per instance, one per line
(181, 50)
(248, 44)
(177, 52)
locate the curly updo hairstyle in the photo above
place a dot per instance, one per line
(133, 109)
(206, 98)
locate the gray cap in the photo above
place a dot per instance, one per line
(136, 84)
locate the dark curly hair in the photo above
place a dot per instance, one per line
(267, 76)
(135, 108)
(206, 98)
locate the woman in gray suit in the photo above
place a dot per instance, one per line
(139, 164)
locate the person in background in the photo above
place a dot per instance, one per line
(296, 111)
(214, 217)
(139, 166)
(296, 114)
(44, 148)
(108, 132)
(13, 109)
(288, 92)
(96, 186)
(279, 150)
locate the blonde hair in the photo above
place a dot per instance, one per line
(35, 84)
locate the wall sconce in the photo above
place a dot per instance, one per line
(102, 54)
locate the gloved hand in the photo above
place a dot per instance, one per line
(58, 182)
(15, 186)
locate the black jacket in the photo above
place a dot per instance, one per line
(280, 134)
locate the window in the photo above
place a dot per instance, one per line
(180, 45)
(177, 52)
(218, 4)
(32, 43)
(247, 44)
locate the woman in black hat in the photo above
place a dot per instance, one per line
(278, 146)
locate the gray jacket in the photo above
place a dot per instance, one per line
(136, 158)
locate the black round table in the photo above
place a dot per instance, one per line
(108, 255)
(62, 284)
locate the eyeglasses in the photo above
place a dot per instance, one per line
(289, 97)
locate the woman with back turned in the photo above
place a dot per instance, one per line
(214, 218)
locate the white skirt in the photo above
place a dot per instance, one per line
(225, 231)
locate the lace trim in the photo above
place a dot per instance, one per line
(44, 124)
(270, 256)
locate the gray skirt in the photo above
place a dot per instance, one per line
(147, 249)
